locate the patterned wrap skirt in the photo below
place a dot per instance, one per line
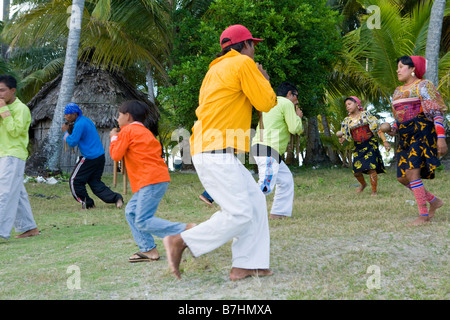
(417, 147)
(367, 156)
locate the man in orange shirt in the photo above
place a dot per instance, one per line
(233, 84)
(149, 178)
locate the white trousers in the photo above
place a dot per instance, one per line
(274, 175)
(15, 209)
(242, 216)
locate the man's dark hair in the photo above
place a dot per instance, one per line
(237, 46)
(9, 81)
(284, 88)
(406, 60)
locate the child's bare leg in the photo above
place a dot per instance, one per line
(373, 181)
(359, 176)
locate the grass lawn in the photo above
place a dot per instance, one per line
(337, 245)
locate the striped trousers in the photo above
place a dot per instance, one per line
(89, 171)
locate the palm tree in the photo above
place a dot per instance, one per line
(53, 148)
(5, 17)
(434, 40)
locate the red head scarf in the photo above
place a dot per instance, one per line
(421, 65)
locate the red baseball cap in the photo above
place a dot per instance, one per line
(236, 33)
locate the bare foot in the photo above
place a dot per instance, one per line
(419, 221)
(174, 246)
(436, 204)
(276, 217)
(29, 233)
(119, 203)
(361, 188)
(239, 273)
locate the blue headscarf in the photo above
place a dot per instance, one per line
(72, 108)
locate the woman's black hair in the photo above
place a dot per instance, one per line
(237, 46)
(406, 60)
(351, 99)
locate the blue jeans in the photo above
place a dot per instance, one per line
(140, 214)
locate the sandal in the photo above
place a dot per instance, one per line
(141, 258)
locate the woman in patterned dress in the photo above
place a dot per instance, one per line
(361, 127)
(418, 110)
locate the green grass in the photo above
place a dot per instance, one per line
(322, 252)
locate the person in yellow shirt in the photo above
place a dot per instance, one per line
(233, 84)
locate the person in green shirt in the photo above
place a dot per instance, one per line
(15, 119)
(270, 143)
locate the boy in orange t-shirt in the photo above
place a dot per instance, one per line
(148, 175)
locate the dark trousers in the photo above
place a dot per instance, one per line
(89, 171)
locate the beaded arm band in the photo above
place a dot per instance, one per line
(439, 125)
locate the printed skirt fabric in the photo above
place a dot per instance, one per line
(417, 147)
(367, 156)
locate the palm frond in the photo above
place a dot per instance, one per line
(117, 34)
(32, 83)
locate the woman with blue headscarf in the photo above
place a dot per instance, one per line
(89, 167)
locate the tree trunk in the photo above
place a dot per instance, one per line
(53, 146)
(315, 152)
(290, 151)
(5, 19)
(434, 41)
(433, 47)
(297, 149)
(334, 158)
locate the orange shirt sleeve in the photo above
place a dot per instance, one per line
(119, 145)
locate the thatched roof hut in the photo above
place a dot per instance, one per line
(99, 94)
